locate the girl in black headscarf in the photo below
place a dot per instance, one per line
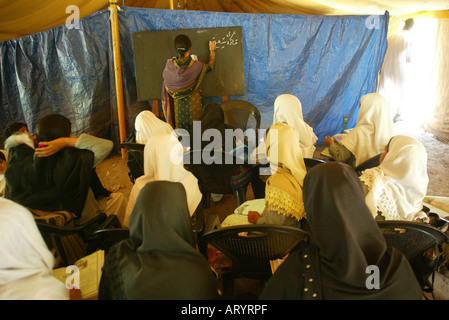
(159, 260)
(212, 117)
(348, 257)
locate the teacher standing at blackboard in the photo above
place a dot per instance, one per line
(182, 100)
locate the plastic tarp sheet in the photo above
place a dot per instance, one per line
(328, 62)
(61, 70)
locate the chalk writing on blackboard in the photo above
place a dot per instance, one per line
(227, 40)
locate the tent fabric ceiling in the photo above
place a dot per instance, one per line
(24, 17)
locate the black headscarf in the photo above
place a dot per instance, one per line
(346, 240)
(212, 117)
(160, 260)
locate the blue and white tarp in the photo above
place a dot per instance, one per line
(328, 62)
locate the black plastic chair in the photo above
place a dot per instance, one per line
(370, 163)
(71, 241)
(238, 115)
(134, 156)
(197, 220)
(413, 239)
(251, 248)
(107, 234)
(216, 173)
(311, 162)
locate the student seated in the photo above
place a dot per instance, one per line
(57, 176)
(372, 132)
(214, 136)
(160, 260)
(283, 192)
(26, 264)
(163, 161)
(348, 257)
(395, 190)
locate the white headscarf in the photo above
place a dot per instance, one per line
(283, 151)
(397, 187)
(26, 263)
(163, 161)
(288, 110)
(373, 130)
(147, 125)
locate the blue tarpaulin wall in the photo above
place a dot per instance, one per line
(328, 62)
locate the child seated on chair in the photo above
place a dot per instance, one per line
(57, 175)
(160, 260)
(283, 193)
(163, 161)
(347, 243)
(395, 190)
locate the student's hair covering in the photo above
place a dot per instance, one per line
(288, 110)
(148, 125)
(160, 259)
(373, 130)
(52, 127)
(283, 151)
(26, 264)
(397, 187)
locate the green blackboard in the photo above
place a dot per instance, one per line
(153, 48)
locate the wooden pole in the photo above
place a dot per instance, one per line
(156, 102)
(118, 72)
(155, 108)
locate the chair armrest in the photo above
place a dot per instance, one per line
(111, 222)
(99, 218)
(110, 234)
(65, 230)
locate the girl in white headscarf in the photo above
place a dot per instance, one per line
(288, 110)
(3, 161)
(163, 161)
(396, 188)
(372, 132)
(147, 125)
(26, 263)
(283, 193)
